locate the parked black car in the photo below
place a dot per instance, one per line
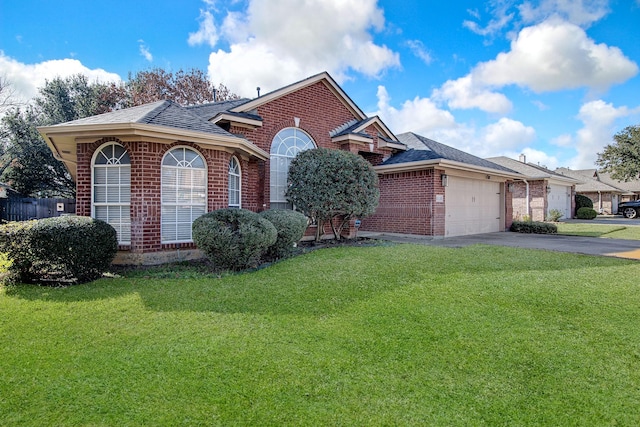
(630, 209)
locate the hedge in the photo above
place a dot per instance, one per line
(533, 227)
(586, 213)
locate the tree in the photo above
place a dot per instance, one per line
(63, 100)
(184, 87)
(27, 164)
(622, 158)
(332, 186)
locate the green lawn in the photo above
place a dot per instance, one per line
(599, 230)
(384, 335)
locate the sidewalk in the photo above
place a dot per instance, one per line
(575, 244)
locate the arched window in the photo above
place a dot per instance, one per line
(284, 147)
(184, 193)
(235, 187)
(112, 189)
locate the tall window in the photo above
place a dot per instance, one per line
(284, 147)
(234, 183)
(184, 193)
(112, 189)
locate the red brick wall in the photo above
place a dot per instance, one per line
(408, 204)
(146, 160)
(537, 200)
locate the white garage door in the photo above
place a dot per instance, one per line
(559, 197)
(472, 207)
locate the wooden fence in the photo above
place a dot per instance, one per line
(23, 209)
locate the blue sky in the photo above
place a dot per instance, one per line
(553, 79)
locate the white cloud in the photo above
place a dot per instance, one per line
(274, 42)
(556, 55)
(418, 49)
(207, 32)
(501, 17)
(564, 140)
(466, 93)
(507, 133)
(422, 116)
(144, 51)
(536, 157)
(551, 56)
(579, 12)
(599, 119)
(27, 78)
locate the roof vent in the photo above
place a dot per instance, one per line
(258, 89)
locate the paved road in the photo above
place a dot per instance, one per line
(575, 244)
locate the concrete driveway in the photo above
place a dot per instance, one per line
(576, 244)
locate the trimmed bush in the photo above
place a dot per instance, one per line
(61, 249)
(233, 239)
(583, 202)
(290, 226)
(586, 213)
(533, 227)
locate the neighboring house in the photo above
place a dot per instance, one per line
(630, 189)
(151, 170)
(605, 197)
(539, 191)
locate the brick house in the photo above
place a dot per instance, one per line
(151, 170)
(539, 190)
(604, 195)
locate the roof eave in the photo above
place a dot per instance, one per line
(244, 122)
(443, 163)
(278, 93)
(62, 140)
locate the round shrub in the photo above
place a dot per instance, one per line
(233, 239)
(290, 226)
(586, 213)
(583, 202)
(67, 248)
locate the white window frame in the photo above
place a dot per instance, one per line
(287, 143)
(122, 221)
(235, 182)
(173, 197)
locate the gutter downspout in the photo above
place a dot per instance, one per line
(599, 202)
(527, 199)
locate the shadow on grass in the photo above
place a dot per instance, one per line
(318, 283)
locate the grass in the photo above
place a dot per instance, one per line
(387, 335)
(599, 230)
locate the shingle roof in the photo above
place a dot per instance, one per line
(589, 184)
(423, 148)
(159, 113)
(212, 109)
(629, 186)
(527, 169)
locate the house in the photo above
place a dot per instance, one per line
(630, 189)
(539, 190)
(605, 197)
(151, 170)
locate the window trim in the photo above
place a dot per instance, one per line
(272, 201)
(162, 202)
(239, 178)
(95, 204)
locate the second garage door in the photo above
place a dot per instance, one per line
(472, 207)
